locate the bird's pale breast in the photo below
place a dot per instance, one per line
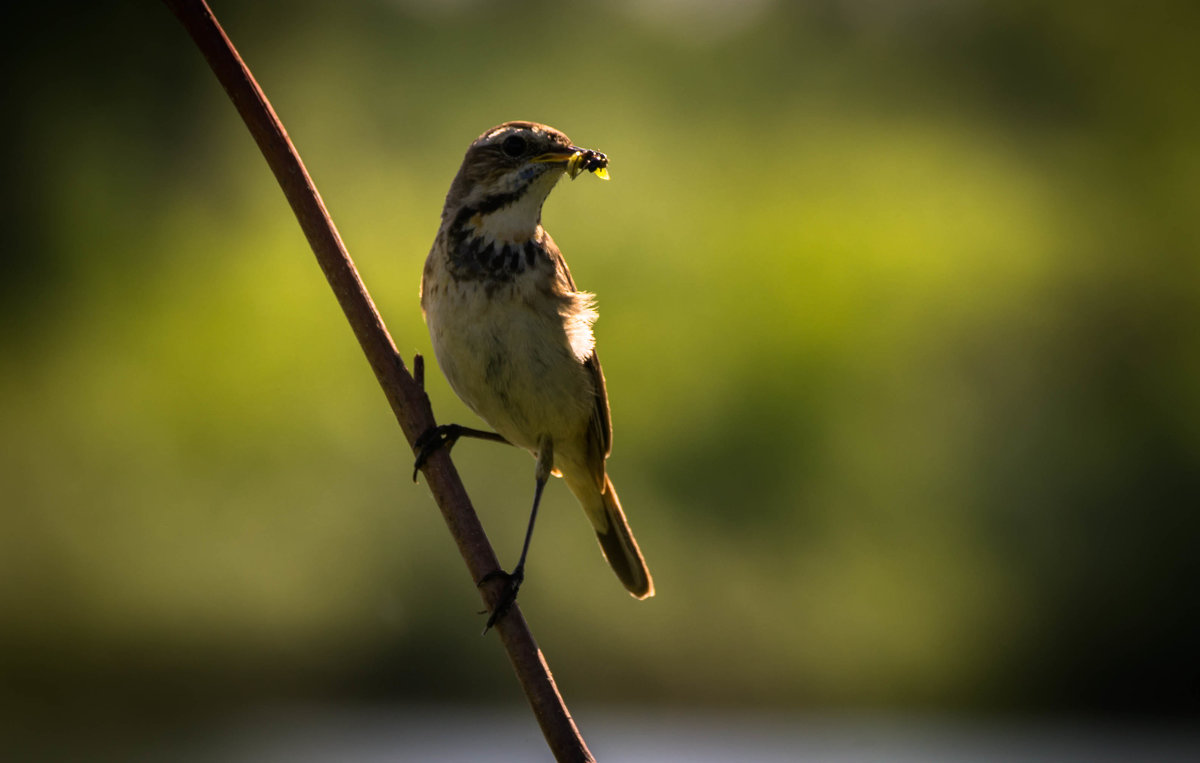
(506, 349)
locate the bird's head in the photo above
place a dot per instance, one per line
(512, 168)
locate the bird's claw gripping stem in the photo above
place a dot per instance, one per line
(444, 436)
(512, 584)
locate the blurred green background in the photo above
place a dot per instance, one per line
(900, 312)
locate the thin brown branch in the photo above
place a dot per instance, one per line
(405, 395)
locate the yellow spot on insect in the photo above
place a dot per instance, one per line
(591, 161)
(573, 163)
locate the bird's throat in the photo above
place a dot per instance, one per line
(513, 218)
(515, 223)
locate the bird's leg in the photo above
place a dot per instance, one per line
(444, 436)
(545, 464)
(513, 580)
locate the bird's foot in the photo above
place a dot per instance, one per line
(444, 436)
(432, 440)
(508, 597)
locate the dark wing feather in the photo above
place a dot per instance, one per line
(600, 427)
(599, 434)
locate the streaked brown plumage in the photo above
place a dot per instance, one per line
(512, 333)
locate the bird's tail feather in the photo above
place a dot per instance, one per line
(616, 539)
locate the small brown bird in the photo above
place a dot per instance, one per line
(514, 336)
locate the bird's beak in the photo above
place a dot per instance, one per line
(578, 160)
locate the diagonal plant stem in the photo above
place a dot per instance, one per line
(406, 396)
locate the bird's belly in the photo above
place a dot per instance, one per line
(511, 363)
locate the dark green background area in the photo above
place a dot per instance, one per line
(900, 312)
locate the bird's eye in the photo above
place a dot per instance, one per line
(513, 145)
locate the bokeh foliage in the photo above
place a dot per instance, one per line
(900, 306)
